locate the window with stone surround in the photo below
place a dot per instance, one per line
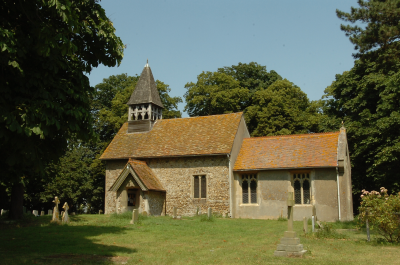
(199, 187)
(302, 188)
(249, 188)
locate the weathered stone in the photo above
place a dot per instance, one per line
(56, 217)
(135, 216)
(50, 212)
(290, 241)
(144, 213)
(305, 225)
(65, 217)
(35, 213)
(209, 213)
(174, 213)
(42, 213)
(290, 234)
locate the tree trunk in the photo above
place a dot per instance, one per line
(17, 201)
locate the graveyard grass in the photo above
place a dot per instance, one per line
(110, 239)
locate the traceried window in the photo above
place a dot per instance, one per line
(249, 189)
(302, 188)
(199, 187)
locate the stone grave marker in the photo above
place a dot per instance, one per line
(50, 212)
(62, 213)
(42, 213)
(144, 213)
(290, 244)
(174, 214)
(209, 213)
(305, 225)
(2, 212)
(73, 213)
(65, 217)
(56, 217)
(135, 216)
(35, 213)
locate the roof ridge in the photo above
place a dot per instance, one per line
(294, 135)
(205, 116)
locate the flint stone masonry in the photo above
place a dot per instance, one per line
(176, 176)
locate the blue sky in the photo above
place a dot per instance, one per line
(301, 40)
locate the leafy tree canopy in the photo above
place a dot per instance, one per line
(367, 98)
(382, 29)
(272, 106)
(47, 47)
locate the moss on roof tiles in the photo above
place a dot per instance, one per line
(205, 135)
(289, 151)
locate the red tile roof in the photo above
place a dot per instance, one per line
(289, 151)
(146, 175)
(205, 135)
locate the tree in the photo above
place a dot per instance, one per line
(272, 106)
(47, 48)
(367, 98)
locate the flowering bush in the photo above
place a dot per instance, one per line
(380, 209)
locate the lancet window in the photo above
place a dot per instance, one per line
(302, 188)
(249, 188)
(199, 187)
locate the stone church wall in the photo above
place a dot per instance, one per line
(113, 170)
(177, 177)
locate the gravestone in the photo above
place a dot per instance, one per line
(65, 217)
(313, 223)
(35, 213)
(73, 213)
(62, 213)
(42, 213)
(56, 217)
(50, 212)
(144, 213)
(290, 244)
(305, 225)
(209, 213)
(197, 211)
(174, 214)
(135, 216)
(2, 212)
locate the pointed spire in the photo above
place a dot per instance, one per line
(146, 89)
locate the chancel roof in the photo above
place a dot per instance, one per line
(142, 174)
(289, 151)
(145, 90)
(205, 135)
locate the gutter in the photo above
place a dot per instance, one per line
(230, 185)
(338, 191)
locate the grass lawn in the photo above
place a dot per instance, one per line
(110, 239)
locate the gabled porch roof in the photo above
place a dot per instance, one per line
(142, 174)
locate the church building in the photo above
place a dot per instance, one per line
(156, 164)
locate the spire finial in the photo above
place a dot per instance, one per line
(147, 60)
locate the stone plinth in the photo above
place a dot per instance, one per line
(290, 246)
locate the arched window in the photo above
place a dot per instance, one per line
(249, 189)
(199, 187)
(302, 188)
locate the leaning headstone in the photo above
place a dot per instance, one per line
(50, 212)
(65, 217)
(135, 216)
(35, 213)
(42, 213)
(209, 213)
(56, 217)
(175, 210)
(290, 244)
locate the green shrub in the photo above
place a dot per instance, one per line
(380, 209)
(327, 231)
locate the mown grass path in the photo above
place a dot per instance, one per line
(107, 239)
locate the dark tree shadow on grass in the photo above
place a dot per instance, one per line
(41, 243)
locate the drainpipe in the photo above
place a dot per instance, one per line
(230, 185)
(338, 191)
